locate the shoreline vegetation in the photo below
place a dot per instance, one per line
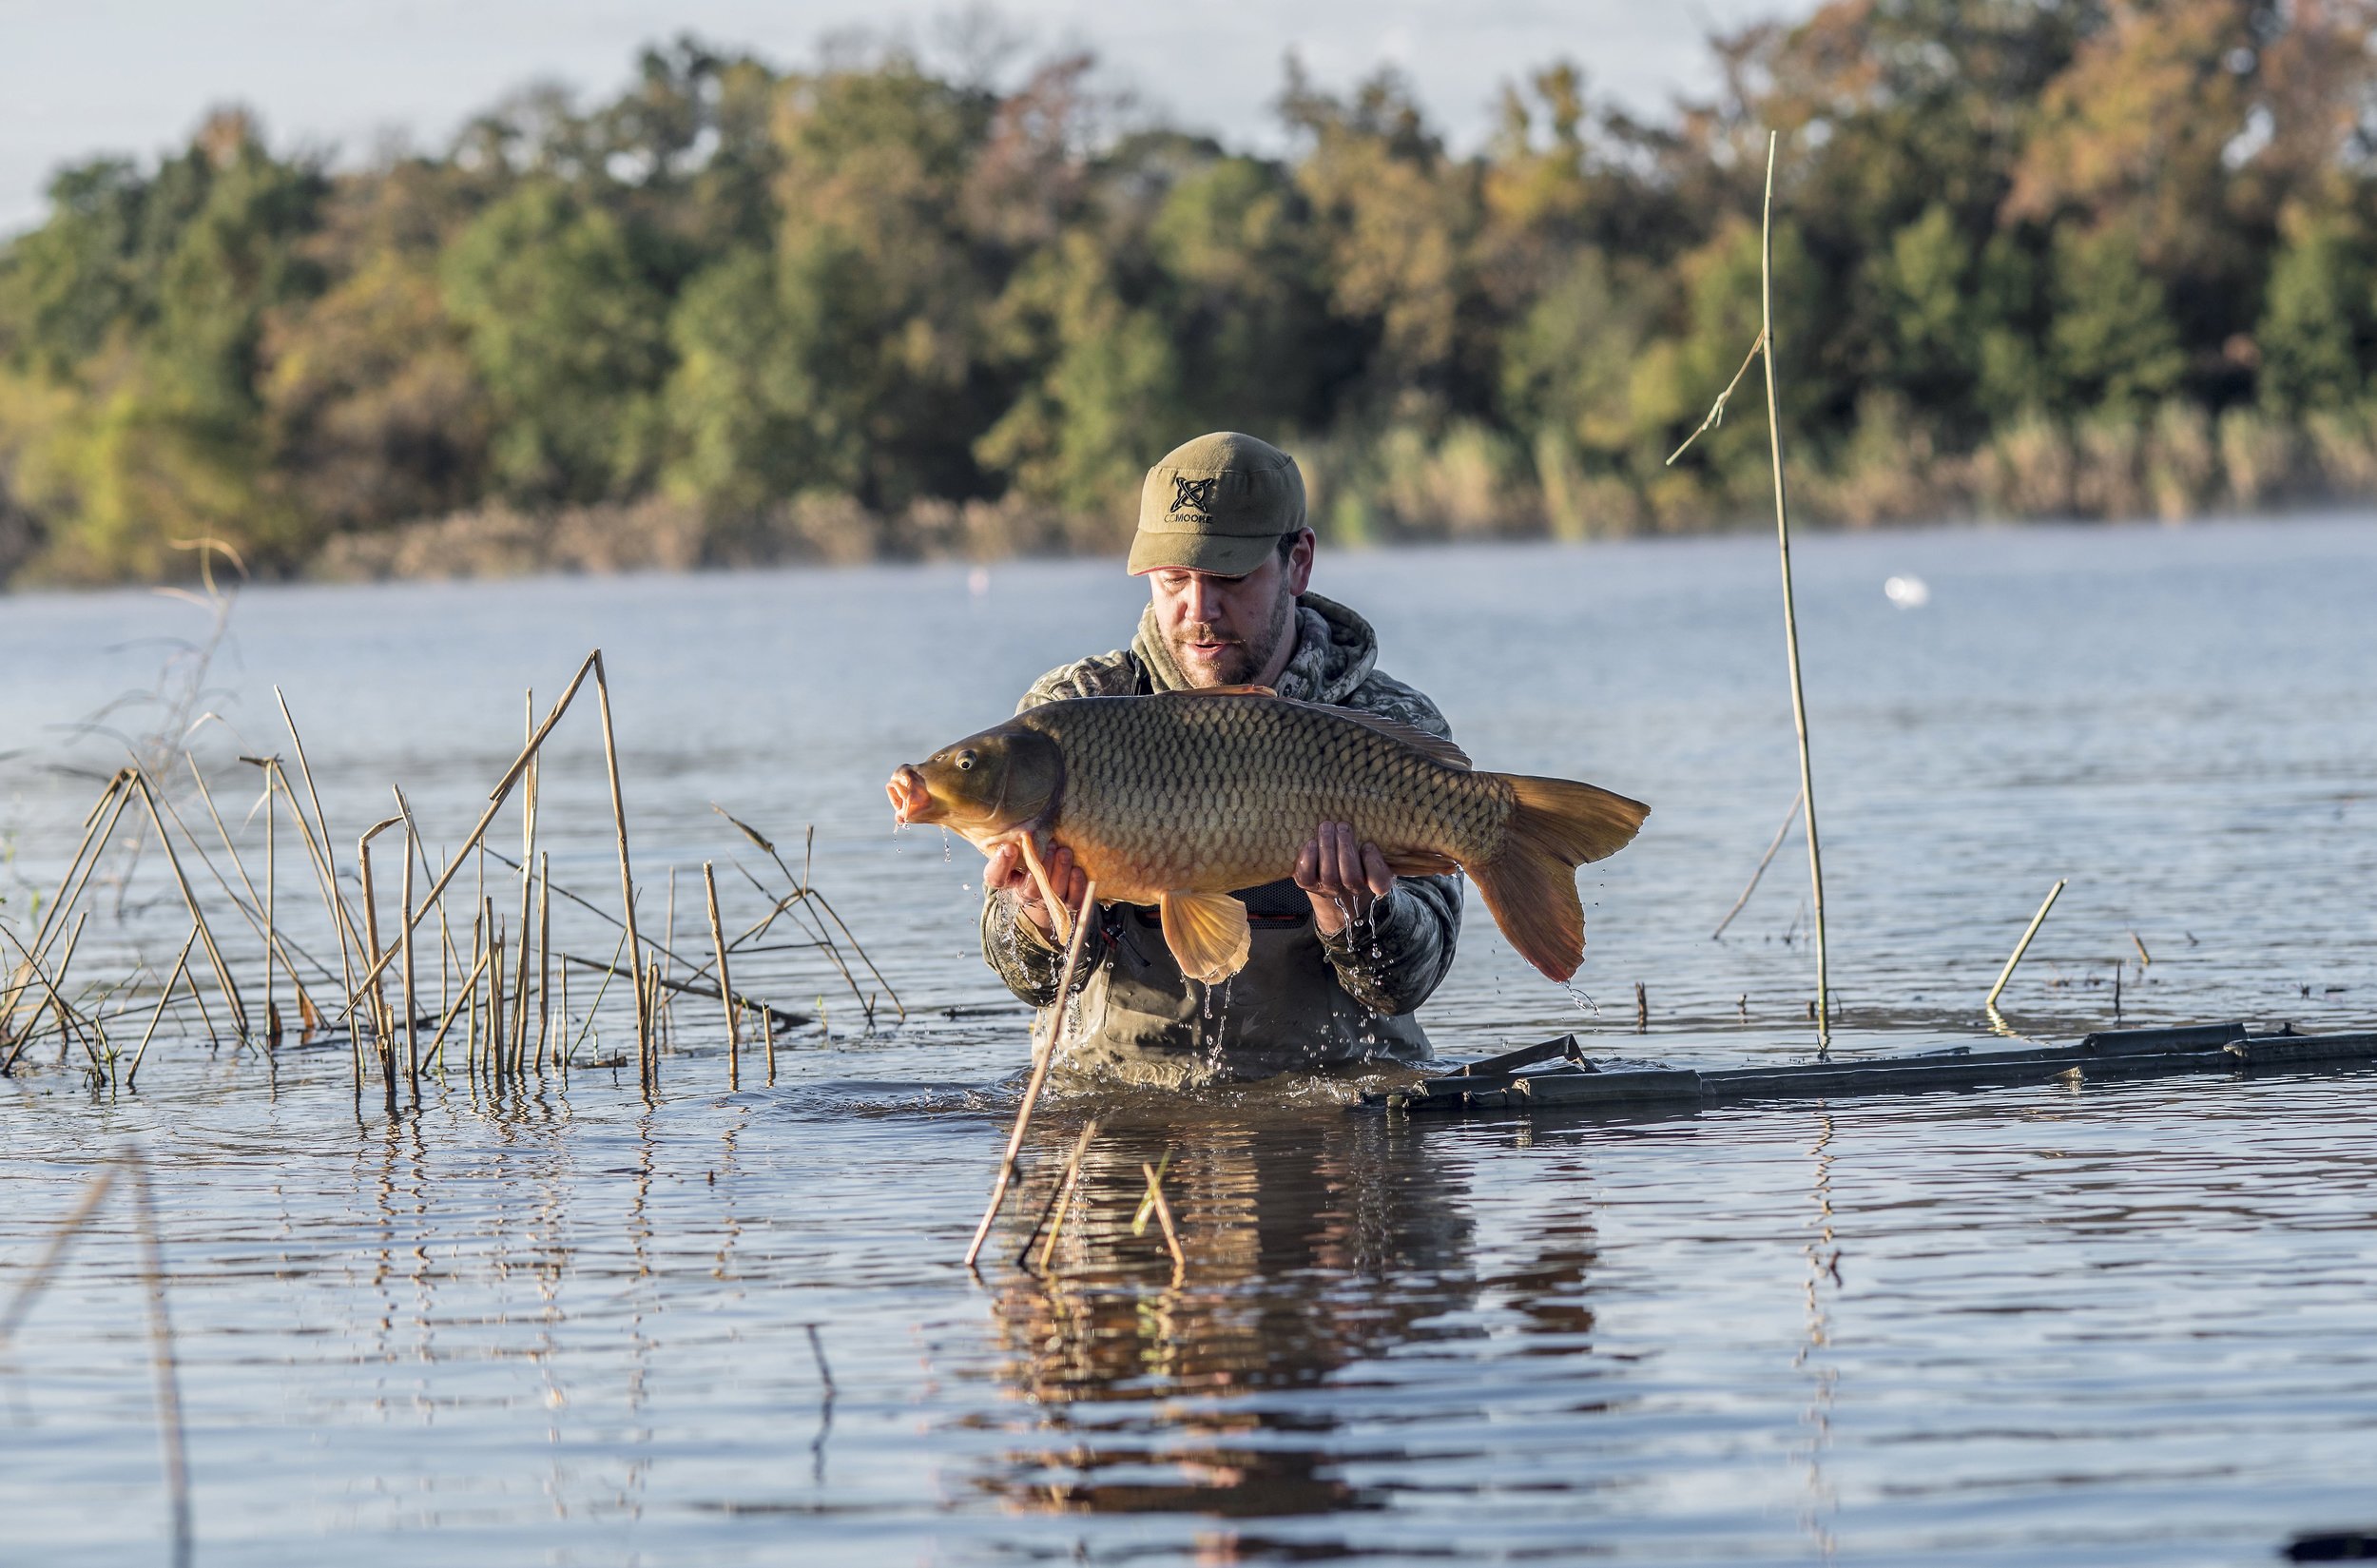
(2031, 260)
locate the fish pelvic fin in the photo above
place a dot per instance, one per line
(1207, 933)
(1421, 863)
(1530, 886)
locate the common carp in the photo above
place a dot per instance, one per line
(1175, 800)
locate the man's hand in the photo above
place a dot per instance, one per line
(1008, 873)
(1342, 876)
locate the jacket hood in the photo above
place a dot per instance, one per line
(1336, 651)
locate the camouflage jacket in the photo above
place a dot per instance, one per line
(1303, 1000)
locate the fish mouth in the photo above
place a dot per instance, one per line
(910, 799)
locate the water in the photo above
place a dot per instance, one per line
(2104, 1325)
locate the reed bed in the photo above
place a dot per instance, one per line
(449, 962)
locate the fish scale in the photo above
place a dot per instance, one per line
(1193, 790)
(1181, 799)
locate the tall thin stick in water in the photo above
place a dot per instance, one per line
(1790, 614)
(767, 1027)
(496, 1061)
(383, 1036)
(543, 958)
(165, 999)
(520, 997)
(619, 822)
(725, 986)
(2024, 946)
(329, 868)
(470, 989)
(412, 1005)
(1764, 861)
(1041, 1062)
(272, 902)
(189, 898)
(161, 1356)
(251, 910)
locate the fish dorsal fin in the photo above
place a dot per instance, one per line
(1419, 739)
(1435, 746)
(1207, 933)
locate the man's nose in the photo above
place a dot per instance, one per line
(1204, 600)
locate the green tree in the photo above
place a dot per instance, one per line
(2113, 343)
(568, 332)
(2316, 322)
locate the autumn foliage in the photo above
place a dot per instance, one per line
(2035, 259)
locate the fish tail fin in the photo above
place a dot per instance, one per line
(1556, 826)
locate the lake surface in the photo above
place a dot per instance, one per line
(2087, 1325)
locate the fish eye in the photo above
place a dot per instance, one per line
(966, 761)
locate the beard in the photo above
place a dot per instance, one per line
(1240, 659)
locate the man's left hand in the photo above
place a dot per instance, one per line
(1342, 876)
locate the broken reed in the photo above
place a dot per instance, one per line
(505, 1005)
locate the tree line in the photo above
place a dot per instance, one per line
(2033, 258)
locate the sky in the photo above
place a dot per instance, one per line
(135, 76)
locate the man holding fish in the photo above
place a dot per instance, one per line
(1275, 827)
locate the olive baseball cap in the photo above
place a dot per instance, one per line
(1218, 504)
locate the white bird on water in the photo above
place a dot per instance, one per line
(1908, 592)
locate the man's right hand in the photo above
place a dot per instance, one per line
(1008, 874)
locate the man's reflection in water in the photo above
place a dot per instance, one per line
(1314, 1245)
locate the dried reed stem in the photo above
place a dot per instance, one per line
(381, 1030)
(180, 967)
(412, 1004)
(94, 843)
(252, 909)
(543, 958)
(767, 1026)
(189, 898)
(688, 988)
(2024, 946)
(495, 1059)
(1041, 1062)
(521, 999)
(726, 985)
(328, 869)
(470, 990)
(495, 799)
(1791, 615)
(626, 875)
(77, 873)
(1764, 861)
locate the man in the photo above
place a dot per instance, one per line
(1345, 951)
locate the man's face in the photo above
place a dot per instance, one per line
(1227, 631)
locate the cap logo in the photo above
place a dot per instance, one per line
(1192, 494)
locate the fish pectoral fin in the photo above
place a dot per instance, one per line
(1207, 933)
(1421, 863)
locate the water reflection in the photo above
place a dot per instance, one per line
(1313, 1247)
